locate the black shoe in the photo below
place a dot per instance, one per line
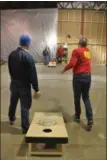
(24, 131)
(12, 121)
(89, 125)
(77, 119)
(65, 121)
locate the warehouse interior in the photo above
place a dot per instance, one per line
(55, 24)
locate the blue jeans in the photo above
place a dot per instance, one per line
(81, 87)
(22, 92)
(46, 59)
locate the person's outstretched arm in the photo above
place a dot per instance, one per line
(32, 72)
(33, 75)
(72, 62)
(9, 65)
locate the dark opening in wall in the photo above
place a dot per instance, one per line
(27, 4)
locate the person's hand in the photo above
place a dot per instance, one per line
(36, 95)
(62, 71)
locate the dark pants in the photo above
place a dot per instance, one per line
(22, 92)
(46, 59)
(81, 87)
(59, 59)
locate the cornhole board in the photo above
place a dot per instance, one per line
(57, 136)
(52, 64)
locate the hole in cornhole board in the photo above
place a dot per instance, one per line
(47, 130)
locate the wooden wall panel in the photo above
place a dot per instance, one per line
(64, 15)
(64, 30)
(59, 15)
(87, 16)
(70, 49)
(94, 16)
(104, 55)
(105, 18)
(99, 33)
(69, 22)
(74, 29)
(100, 17)
(77, 15)
(71, 14)
(104, 30)
(98, 53)
(104, 42)
(94, 33)
(93, 51)
(87, 30)
(59, 30)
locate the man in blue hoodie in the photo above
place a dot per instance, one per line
(23, 74)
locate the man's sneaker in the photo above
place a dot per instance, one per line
(77, 119)
(65, 121)
(24, 131)
(12, 121)
(89, 125)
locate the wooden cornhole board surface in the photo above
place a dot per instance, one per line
(52, 64)
(36, 134)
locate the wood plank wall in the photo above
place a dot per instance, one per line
(69, 22)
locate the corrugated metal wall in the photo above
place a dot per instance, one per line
(94, 28)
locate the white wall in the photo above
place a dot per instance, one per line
(39, 24)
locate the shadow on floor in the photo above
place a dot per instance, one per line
(70, 119)
(22, 152)
(83, 125)
(7, 128)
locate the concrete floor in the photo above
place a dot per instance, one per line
(57, 95)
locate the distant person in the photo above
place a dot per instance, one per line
(60, 54)
(46, 55)
(80, 62)
(23, 73)
(65, 46)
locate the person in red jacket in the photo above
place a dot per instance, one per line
(80, 62)
(60, 53)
